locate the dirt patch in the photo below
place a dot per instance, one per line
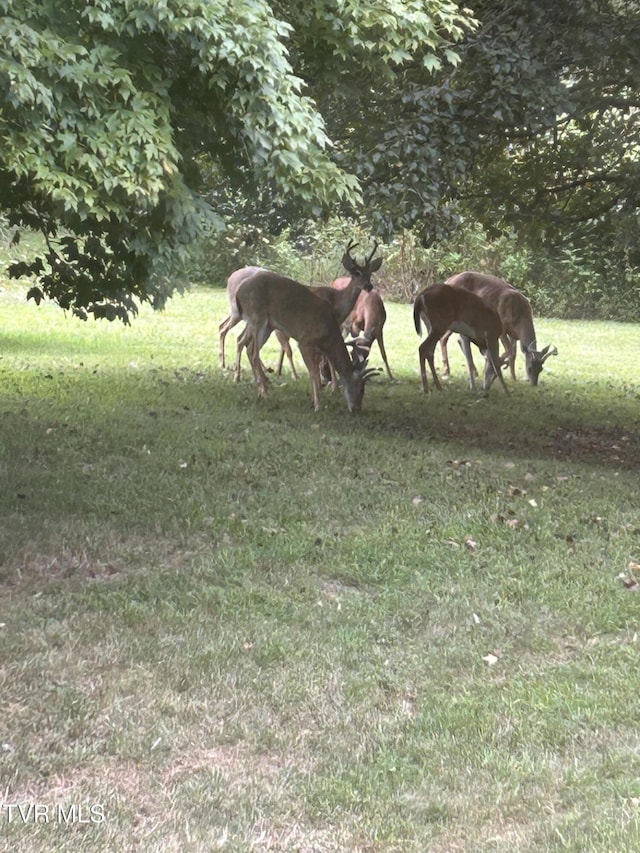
(614, 447)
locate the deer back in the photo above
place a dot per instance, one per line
(445, 307)
(237, 277)
(512, 306)
(270, 301)
(369, 315)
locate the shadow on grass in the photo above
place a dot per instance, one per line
(559, 422)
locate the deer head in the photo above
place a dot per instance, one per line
(535, 361)
(363, 271)
(360, 374)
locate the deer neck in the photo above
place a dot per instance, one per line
(347, 298)
(338, 353)
(527, 334)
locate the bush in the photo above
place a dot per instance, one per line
(560, 284)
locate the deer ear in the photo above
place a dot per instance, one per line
(374, 266)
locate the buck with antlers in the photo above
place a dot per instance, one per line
(341, 301)
(345, 291)
(268, 301)
(515, 314)
(444, 308)
(233, 283)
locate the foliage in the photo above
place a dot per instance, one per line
(559, 282)
(128, 127)
(534, 128)
(569, 176)
(115, 113)
(526, 131)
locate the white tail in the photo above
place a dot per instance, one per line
(367, 319)
(233, 283)
(445, 308)
(268, 301)
(516, 316)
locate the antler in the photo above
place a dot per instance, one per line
(369, 259)
(370, 372)
(361, 349)
(544, 353)
(348, 261)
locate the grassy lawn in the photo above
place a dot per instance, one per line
(233, 624)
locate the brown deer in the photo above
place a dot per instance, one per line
(268, 301)
(516, 316)
(367, 319)
(344, 292)
(341, 302)
(445, 308)
(233, 283)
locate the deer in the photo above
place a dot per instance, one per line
(515, 313)
(359, 278)
(233, 283)
(345, 291)
(268, 301)
(367, 319)
(444, 308)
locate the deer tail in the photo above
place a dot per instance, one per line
(417, 315)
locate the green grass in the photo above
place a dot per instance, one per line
(236, 624)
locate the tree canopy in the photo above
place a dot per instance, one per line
(114, 111)
(536, 125)
(127, 124)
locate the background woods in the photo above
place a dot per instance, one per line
(128, 131)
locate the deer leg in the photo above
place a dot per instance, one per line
(328, 373)
(255, 342)
(384, 354)
(285, 349)
(334, 376)
(510, 351)
(465, 346)
(493, 367)
(242, 343)
(426, 351)
(446, 370)
(223, 329)
(312, 362)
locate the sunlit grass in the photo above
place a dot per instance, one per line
(238, 624)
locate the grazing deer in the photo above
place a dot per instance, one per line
(268, 301)
(344, 291)
(233, 283)
(445, 308)
(367, 319)
(515, 313)
(341, 302)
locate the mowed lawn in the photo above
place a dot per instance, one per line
(236, 624)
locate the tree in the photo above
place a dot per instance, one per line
(563, 168)
(535, 127)
(114, 112)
